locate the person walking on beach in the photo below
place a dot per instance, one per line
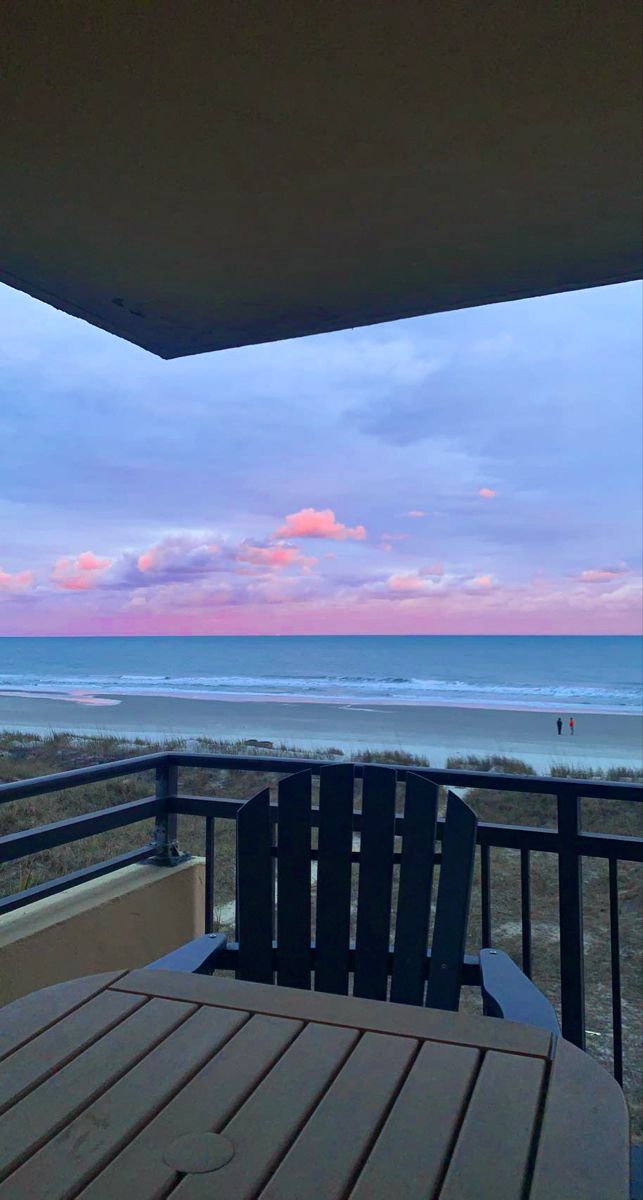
(571, 726)
(559, 725)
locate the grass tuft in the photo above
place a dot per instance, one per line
(489, 762)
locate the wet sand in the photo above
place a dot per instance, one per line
(600, 740)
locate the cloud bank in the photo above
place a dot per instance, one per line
(467, 472)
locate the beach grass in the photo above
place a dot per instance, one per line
(23, 756)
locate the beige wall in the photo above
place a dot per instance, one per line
(122, 920)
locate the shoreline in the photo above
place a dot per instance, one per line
(431, 730)
(113, 698)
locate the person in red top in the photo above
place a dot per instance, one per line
(571, 726)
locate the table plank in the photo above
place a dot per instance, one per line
(42, 1055)
(373, 1015)
(340, 1131)
(77, 1152)
(491, 1154)
(267, 1123)
(29, 1015)
(584, 1147)
(57, 1101)
(204, 1105)
(410, 1154)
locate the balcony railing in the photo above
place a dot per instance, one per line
(567, 840)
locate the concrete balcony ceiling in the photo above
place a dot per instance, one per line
(204, 175)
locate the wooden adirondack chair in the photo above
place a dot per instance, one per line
(417, 975)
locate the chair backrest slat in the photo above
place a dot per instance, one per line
(334, 875)
(375, 883)
(452, 906)
(293, 881)
(255, 889)
(414, 892)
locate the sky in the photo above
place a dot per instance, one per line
(468, 472)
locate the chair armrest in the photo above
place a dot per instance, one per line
(198, 957)
(508, 993)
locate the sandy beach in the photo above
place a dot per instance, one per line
(601, 739)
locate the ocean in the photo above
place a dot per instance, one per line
(566, 674)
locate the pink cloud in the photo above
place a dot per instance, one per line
(147, 560)
(487, 493)
(90, 562)
(602, 574)
(482, 581)
(16, 582)
(274, 557)
(318, 523)
(415, 512)
(405, 583)
(81, 573)
(422, 582)
(187, 556)
(184, 553)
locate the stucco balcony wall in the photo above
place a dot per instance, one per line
(124, 920)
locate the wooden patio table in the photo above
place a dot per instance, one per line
(141, 1084)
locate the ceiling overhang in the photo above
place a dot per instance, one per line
(199, 176)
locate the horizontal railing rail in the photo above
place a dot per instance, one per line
(41, 785)
(544, 785)
(74, 829)
(547, 785)
(490, 833)
(63, 883)
(567, 840)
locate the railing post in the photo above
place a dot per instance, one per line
(615, 950)
(570, 898)
(165, 829)
(525, 911)
(209, 874)
(485, 896)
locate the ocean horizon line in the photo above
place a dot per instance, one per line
(78, 637)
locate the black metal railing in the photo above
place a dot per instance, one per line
(566, 840)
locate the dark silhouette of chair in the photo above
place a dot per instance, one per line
(275, 911)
